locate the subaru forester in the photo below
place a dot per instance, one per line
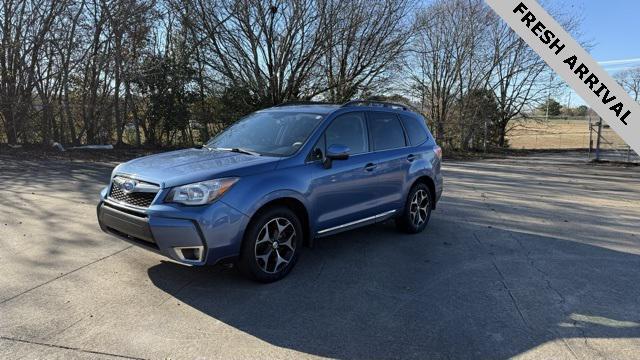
(276, 180)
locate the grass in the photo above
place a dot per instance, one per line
(558, 134)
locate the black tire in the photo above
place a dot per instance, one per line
(414, 218)
(261, 257)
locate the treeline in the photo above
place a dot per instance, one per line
(175, 72)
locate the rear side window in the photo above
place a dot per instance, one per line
(386, 131)
(416, 133)
(349, 130)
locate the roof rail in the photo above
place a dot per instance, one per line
(378, 103)
(294, 103)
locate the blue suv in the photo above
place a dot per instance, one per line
(275, 181)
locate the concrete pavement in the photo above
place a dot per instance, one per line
(531, 257)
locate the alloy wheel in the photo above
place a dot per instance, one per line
(419, 208)
(275, 245)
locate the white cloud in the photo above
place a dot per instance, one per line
(618, 62)
(619, 68)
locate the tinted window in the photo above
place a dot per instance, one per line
(416, 133)
(386, 131)
(349, 130)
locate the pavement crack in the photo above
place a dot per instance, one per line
(544, 275)
(564, 341)
(503, 281)
(319, 274)
(513, 299)
(562, 300)
(588, 345)
(70, 348)
(58, 332)
(178, 291)
(63, 275)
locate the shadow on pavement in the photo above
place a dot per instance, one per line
(480, 292)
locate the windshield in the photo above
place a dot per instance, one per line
(268, 133)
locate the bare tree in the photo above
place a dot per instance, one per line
(24, 28)
(516, 78)
(268, 48)
(128, 21)
(521, 79)
(435, 67)
(70, 59)
(172, 71)
(474, 67)
(365, 39)
(629, 79)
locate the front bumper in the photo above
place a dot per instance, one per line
(189, 235)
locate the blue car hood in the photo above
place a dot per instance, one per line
(192, 165)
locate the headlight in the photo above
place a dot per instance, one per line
(200, 193)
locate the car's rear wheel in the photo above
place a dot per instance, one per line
(271, 245)
(417, 210)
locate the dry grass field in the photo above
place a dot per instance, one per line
(559, 134)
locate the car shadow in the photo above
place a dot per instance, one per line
(459, 290)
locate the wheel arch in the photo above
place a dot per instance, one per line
(295, 205)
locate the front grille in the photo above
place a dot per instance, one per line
(138, 199)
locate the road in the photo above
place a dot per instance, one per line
(529, 257)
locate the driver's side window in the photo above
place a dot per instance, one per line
(349, 130)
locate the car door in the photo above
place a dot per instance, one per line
(389, 145)
(344, 192)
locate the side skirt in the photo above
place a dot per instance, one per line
(356, 224)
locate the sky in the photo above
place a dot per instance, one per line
(612, 27)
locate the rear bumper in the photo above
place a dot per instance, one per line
(196, 236)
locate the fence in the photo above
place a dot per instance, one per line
(586, 133)
(606, 145)
(554, 133)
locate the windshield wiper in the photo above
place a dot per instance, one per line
(240, 150)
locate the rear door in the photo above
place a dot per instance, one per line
(389, 145)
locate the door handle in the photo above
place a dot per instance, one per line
(370, 166)
(411, 157)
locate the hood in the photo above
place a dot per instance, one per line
(193, 165)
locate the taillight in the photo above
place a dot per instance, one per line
(438, 151)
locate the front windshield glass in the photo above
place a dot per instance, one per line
(274, 133)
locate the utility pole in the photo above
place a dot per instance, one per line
(484, 143)
(598, 139)
(590, 138)
(548, 96)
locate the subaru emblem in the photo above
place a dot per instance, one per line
(128, 186)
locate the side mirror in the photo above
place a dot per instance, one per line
(335, 152)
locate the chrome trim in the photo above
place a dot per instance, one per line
(349, 224)
(140, 186)
(181, 257)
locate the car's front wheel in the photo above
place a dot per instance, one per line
(272, 243)
(417, 210)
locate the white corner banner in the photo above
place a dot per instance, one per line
(564, 55)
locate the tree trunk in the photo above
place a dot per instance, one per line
(9, 125)
(502, 132)
(116, 96)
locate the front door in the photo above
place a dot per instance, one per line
(345, 192)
